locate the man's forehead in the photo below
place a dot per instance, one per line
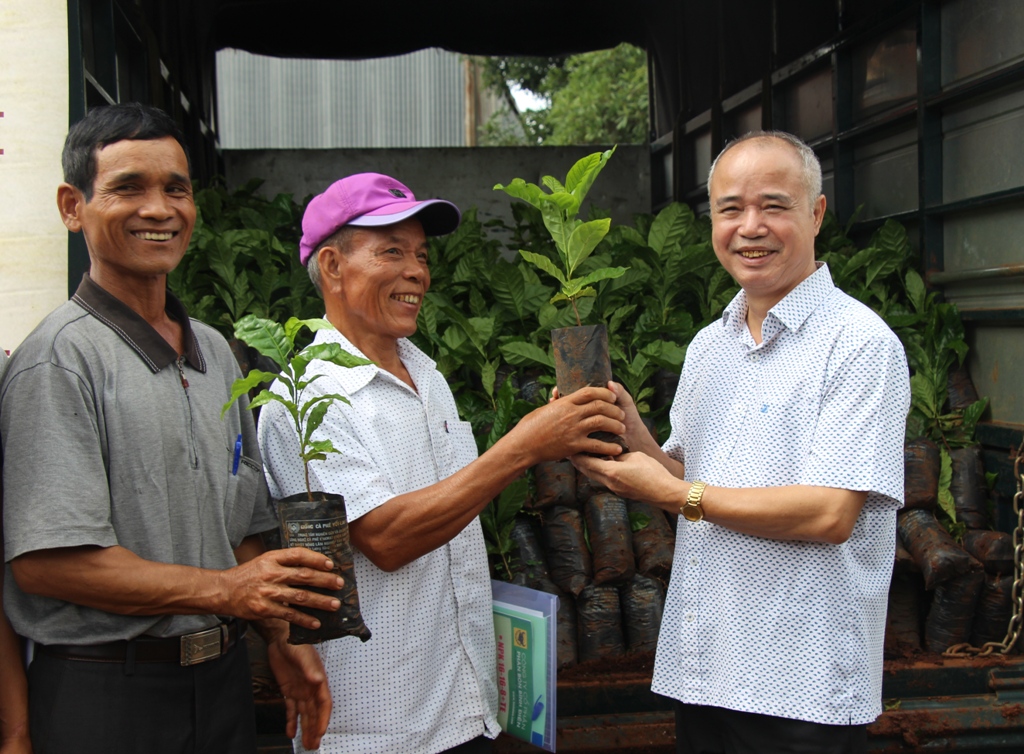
(142, 153)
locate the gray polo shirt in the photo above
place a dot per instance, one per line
(109, 438)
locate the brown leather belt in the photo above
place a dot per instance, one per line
(188, 649)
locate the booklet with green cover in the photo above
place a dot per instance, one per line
(525, 632)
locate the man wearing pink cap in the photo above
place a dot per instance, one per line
(412, 481)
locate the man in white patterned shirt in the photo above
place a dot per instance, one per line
(785, 464)
(411, 479)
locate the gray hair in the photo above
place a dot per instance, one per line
(811, 165)
(339, 240)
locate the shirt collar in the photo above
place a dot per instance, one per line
(794, 309)
(355, 378)
(137, 332)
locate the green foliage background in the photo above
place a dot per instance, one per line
(594, 98)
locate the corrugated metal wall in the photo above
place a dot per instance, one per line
(415, 100)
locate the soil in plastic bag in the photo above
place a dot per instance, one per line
(952, 612)
(968, 487)
(654, 544)
(903, 618)
(904, 562)
(959, 388)
(643, 603)
(586, 488)
(993, 548)
(610, 539)
(581, 360)
(600, 623)
(995, 606)
(322, 526)
(567, 642)
(529, 566)
(569, 560)
(936, 554)
(921, 465)
(556, 484)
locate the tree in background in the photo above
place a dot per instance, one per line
(593, 98)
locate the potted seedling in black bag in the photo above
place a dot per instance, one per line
(580, 352)
(312, 519)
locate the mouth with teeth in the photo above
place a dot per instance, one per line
(754, 253)
(150, 235)
(406, 298)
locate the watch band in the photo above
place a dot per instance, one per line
(692, 509)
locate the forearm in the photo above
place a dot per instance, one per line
(116, 580)
(13, 687)
(409, 526)
(794, 512)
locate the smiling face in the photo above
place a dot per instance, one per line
(763, 224)
(139, 220)
(374, 287)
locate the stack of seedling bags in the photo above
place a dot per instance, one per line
(970, 577)
(612, 592)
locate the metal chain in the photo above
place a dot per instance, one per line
(1017, 593)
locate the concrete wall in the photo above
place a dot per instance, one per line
(463, 176)
(34, 122)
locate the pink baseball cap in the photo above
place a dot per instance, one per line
(370, 200)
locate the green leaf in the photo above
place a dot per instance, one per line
(333, 353)
(582, 242)
(605, 273)
(520, 353)
(266, 336)
(541, 261)
(528, 192)
(638, 521)
(669, 227)
(487, 376)
(582, 175)
(314, 419)
(946, 502)
(243, 385)
(509, 288)
(294, 325)
(266, 396)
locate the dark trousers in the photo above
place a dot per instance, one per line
(478, 745)
(158, 708)
(713, 730)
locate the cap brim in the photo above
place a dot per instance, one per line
(437, 216)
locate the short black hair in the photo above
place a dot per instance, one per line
(103, 126)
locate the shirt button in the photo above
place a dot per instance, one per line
(689, 617)
(694, 561)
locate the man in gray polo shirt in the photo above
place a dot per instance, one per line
(132, 510)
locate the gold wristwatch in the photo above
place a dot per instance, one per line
(692, 510)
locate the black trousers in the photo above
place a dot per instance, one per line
(158, 708)
(713, 730)
(478, 745)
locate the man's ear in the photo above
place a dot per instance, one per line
(330, 260)
(819, 213)
(69, 202)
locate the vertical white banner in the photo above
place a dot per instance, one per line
(34, 103)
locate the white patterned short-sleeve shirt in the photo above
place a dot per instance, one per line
(426, 680)
(786, 628)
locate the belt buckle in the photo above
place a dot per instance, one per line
(203, 645)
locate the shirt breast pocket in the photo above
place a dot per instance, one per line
(463, 445)
(240, 498)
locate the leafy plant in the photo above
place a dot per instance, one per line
(574, 239)
(243, 259)
(277, 343)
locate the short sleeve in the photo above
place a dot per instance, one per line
(858, 440)
(56, 492)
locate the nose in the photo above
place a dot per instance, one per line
(416, 269)
(752, 223)
(156, 206)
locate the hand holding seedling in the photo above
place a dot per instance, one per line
(268, 586)
(560, 428)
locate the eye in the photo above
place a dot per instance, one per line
(730, 211)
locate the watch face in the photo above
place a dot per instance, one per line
(693, 513)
